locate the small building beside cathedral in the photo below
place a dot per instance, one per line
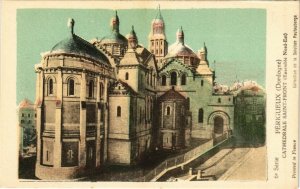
(111, 101)
(27, 128)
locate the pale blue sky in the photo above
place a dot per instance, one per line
(235, 38)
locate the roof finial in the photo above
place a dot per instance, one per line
(205, 49)
(215, 68)
(158, 15)
(180, 35)
(132, 31)
(132, 39)
(71, 24)
(116, 13)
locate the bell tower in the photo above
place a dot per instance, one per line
(158, 44)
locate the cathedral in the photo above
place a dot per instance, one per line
(110, 101)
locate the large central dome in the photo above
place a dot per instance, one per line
(181, 51)
(78, 46)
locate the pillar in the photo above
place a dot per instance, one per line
(98, 122)
(58, 140)
(191, 171)
(82, 145)
(39, 100)
(174, 115)
(105, 111)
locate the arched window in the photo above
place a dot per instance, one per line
(202, 83)
(200, 116)
(173, 78)
(119, 111)
(91, 89)
(219, 100)
(50, 89)
(168, 111)
(183, 79)
(163, 80)
(71, 87)
(126, 76)
(101, 90)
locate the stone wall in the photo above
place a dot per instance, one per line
(119, 151)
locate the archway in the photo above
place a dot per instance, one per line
(218, 125)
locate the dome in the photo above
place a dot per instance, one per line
(78, 46)
(158, 19)
(114, 37)
(132, 39)
(132, 34)
(179, 48)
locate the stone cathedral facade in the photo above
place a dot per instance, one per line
(111, 101)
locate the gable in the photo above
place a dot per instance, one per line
(121, 88)
(152, 64)
(174, 65)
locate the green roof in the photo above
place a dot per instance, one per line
(78, 46)
(114, 37)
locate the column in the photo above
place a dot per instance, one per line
(105, 111)
(98, 139)
(39, 100)
(162, 114)
(82, 143)
(174, 115)
(57, 140)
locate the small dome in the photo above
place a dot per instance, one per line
(132, 39)
(158, 19)
(78, 46)
(203, 49)
(158, 25)
(114, 37)
(132, 34)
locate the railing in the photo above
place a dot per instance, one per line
(177, 161)
(221, 138)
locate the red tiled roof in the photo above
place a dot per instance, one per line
(172, 95)
(25, 104)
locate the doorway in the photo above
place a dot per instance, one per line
(218, 125)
